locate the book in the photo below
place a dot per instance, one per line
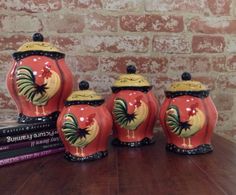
(27, 150)
(27, 136)
(14, 128)
(24, 157)
(31, 143)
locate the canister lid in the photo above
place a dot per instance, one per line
(84, 96)
(38, 47)
(187, 87)
(132, 81)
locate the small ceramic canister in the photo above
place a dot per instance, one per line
(188, 117)
(39, 81)
(134, 109)
(84, 125)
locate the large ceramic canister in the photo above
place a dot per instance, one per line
(84, 125)
(188, 117)
(39, 81)
(134, 110)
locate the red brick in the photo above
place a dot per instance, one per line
(175, 5)
(66, 43)
(190, 64)
(171, 44)
(101, 83)
(6, 101)
(205, 80)
(12, 42)
(208, 81)
(231, 63)
(6, 61)
(83, 63)
(231, 44)
(219, 63)
(7, 115)
(226, 81)
(156, 23)
(143, 64)
(157, 65)
(223, 102)
(208, 44)
(117, 5)
(110, 43)
(68, 23)
(219, 7)
(20, 23)
(161, 83)
(98, 22)
(224, 121)
(32, 6)
(84, 4)
(212, 25)
(231, 134)
(3, 5)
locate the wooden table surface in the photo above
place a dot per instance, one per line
(147, 170)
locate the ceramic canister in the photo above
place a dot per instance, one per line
(39, 81)
(188, 117)
(84, 125)
(134, 110)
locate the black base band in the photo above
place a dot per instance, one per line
(143, 142)
(96, 156)
(202, 149)
(28, 119)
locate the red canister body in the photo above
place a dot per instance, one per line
(188, 119)
(84, 127)
(144, 108)
(134, 110)
(39, 82)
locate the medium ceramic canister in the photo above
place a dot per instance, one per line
(188, 117)
(134, 109)
(84, 125)
(39, 81)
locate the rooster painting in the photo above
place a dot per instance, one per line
(77, 136)
(185, 129)
(130, 121)
(36, 91)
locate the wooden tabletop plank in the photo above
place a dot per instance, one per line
(146, 170)
(151, 169)
(220, 165)
(13, 176)
(59, 176)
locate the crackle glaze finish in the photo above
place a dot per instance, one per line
(134, 110)
(188, 117)
(84, 125)
(39, 81)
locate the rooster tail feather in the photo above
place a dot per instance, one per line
(76, 136)
(126, 120)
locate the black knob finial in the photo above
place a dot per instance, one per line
(186, 76)
(38, 37)
(83, 85)
(131, 69)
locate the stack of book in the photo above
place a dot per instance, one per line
(19, 142)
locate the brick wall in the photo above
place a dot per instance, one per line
(162, 37)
